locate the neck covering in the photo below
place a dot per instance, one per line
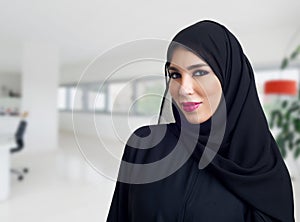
(247, 161)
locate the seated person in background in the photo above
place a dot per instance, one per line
(20, 132)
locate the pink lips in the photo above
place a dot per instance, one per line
(190, 106)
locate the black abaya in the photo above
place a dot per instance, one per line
(189, 194)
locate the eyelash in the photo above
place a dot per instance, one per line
(203, 72)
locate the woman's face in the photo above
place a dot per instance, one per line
(193, 86)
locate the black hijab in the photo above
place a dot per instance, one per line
(247, 161)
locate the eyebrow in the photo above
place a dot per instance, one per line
(189, 67)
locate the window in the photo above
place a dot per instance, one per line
(76, 98)
(120, 95)
(96, 97)
(62, 98)
(139, 97)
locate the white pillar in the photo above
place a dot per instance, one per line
(40, 69)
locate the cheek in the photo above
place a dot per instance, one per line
(173, 89)
(214, 92)
(212, 89)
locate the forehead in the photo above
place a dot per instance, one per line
(182, 57)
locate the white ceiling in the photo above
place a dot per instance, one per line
(83, 29)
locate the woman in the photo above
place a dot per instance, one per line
(225, 164)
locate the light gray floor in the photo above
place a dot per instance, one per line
(60, 187)
(63, 187)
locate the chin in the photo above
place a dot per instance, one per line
(195, 122)
(195, 119)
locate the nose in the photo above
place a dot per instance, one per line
(186, 85)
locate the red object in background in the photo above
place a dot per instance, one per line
(287, 87)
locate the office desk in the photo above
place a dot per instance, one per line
(6, 142)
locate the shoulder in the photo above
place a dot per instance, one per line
(149, 142)
(151, 131)
(146, 129)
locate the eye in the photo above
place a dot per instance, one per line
(174, 75)
(200, 73)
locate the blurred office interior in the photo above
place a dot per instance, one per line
(82, 71)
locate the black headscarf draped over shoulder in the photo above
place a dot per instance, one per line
(248, 162)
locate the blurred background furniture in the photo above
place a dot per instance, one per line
(19, 140)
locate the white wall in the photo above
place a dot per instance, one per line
(40, 67)
(71, 73)
(267, 47)
(10, 123)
